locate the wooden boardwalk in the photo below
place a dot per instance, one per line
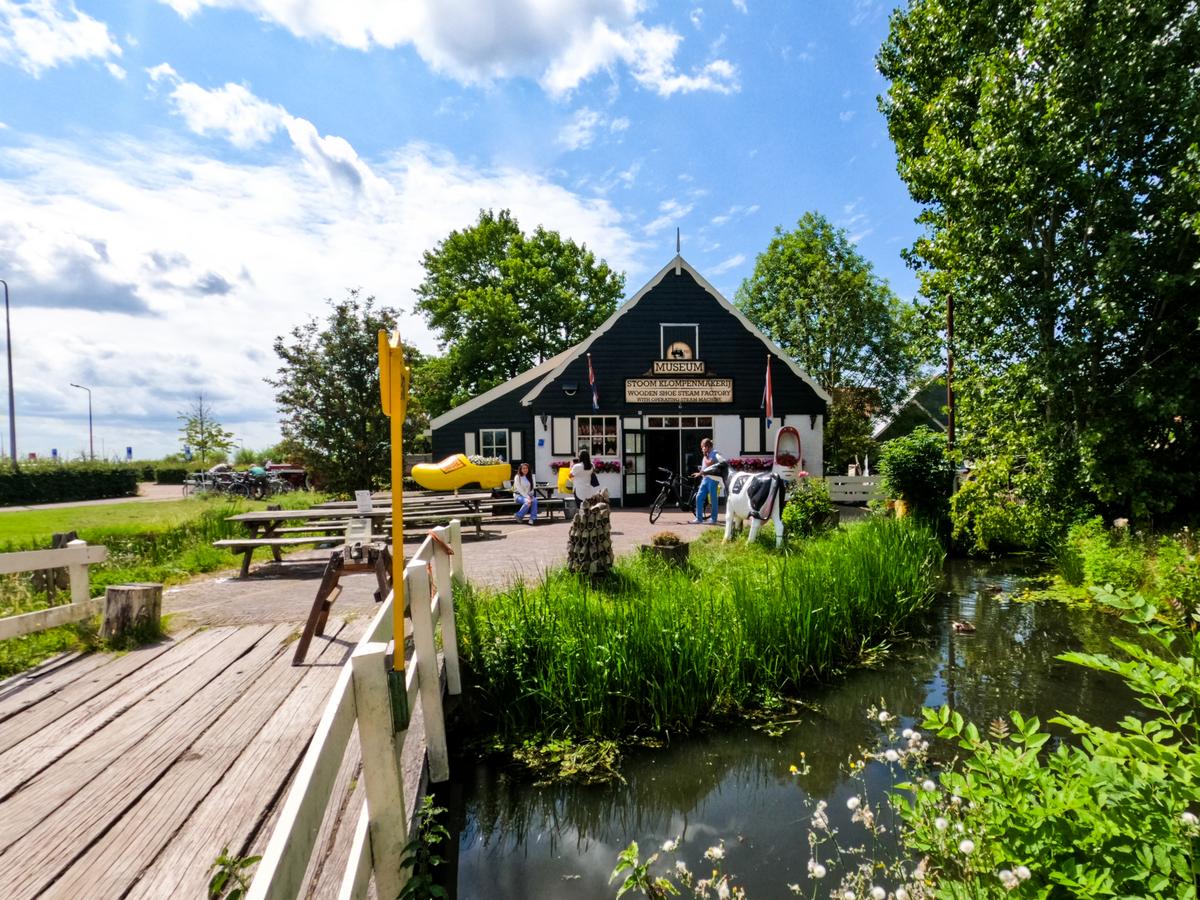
(126, 775)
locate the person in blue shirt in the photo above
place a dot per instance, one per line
(713, 468)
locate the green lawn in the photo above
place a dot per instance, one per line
(19, 526)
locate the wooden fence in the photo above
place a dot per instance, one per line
(75, 558)
(854, 488)
(361, 694)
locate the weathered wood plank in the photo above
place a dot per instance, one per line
(34, 741)
(114, 862)
(66, 808)
(22, 691)
(234, 812)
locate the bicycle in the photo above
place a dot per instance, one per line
(674, 488)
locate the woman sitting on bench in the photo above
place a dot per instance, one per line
(524, 494)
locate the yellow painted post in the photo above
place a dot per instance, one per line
(394, 380)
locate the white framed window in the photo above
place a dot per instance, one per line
(597, 435)
(494, 442)
(679, 340)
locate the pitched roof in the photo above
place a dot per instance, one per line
(678, 263)
(500, 389)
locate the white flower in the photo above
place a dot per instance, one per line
(884, 717)
(820, 821)
(1022, 872)
(853, 803)
(1189, 818)
(723, 890)
(940, 824)
(794, 888)
(818, 871)
(848, 895)
(892, 755)
(906, 733)
(670, 846)
(928, 785)
(955, 799)
(901, 894)
(878, 893)
(1008, 879)
(681, 867)
(958, 826)
(915, 736)
(966, 846)
(714, 853)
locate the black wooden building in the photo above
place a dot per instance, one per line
(675, 363)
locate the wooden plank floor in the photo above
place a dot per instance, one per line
(126, 776)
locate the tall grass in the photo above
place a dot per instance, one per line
(658, 649)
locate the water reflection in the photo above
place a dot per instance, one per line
(520, 841)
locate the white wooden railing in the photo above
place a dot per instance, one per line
(854, 488)
(361, 694)
(75, 558)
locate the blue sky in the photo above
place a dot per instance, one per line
(183, 180)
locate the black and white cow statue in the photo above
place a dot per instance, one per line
(759, 496)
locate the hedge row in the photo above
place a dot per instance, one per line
(66, 483)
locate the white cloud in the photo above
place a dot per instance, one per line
(232, 112)
(734, 212)
(846, 115)
(42, 34)
(740, 6)
(672, 211)
(619, 124)
(581, 130)
(560, 42)
(732, 263)
(697, 18)
(150, 271)
(856, 222)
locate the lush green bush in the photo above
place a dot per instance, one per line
(1108, 556)
(657, 648)
(1000, 508)
(1114, 815)
(171, 474)
(65, 482)
(809, 508)
(916, 469)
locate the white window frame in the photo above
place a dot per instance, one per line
(483, 445)
(588, 441)
(662, 350)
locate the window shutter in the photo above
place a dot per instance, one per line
(469, 443)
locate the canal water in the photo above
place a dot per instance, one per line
(516, 841)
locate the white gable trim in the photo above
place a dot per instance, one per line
(499, 390)
(568, 356)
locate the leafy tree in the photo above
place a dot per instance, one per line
(502, 301)
(203, 433)
(327, 389)
(1053, 144)
(816, 296)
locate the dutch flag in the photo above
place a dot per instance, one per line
(592, 382)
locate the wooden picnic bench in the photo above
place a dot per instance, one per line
(269, 528)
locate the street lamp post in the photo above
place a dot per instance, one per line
(12, 416)
(91, 444)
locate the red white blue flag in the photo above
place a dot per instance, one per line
(769, 395)
(592, 382)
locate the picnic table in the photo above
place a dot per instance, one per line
(270, 528)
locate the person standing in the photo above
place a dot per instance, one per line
(524, 494)
(712, 469)
(582, 476)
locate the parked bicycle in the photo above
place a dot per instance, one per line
(675, 490)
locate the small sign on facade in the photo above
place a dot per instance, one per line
(678, 390)
(679, 367)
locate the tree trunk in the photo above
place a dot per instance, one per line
(132, 611)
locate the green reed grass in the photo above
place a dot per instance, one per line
(658, 649)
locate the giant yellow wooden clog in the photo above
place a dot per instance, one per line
(457, 471)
